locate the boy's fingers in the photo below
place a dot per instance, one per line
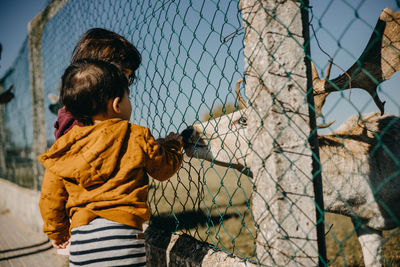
(64, 245)
(59, 244)
(180, 139)
(54, 243)
(172, 134)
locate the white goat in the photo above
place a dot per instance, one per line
(360, 161)
(360, 168)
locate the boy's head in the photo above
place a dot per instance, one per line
(93, 88)
(102, 44)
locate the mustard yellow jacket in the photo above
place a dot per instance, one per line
(101, 170)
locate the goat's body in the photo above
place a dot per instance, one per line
(360, 169)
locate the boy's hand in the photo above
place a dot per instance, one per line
(171, 136)
(59, 243)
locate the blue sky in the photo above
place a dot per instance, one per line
(14, 18)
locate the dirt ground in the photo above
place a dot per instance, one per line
(212, 203)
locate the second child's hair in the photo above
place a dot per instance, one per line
(87, 86)
(102, 44)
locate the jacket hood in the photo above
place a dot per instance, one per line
(88, 155)
(64, 123)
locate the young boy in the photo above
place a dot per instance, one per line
(96, 179)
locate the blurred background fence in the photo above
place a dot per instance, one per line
(193, 55)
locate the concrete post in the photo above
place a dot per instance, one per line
(164, 249)
(2, 136)
(35, 30)
(277, 79)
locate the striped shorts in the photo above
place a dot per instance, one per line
(106, 243)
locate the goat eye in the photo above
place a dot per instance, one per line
(243, 121)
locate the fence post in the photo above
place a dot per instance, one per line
(35, 30)
(2, 135)
(277, 74)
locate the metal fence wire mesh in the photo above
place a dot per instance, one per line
(17, 135)
(193, 55)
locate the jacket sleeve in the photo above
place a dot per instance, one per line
(163, 160)
(53, 199)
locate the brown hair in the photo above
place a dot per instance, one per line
(102, 44)
(87, 85)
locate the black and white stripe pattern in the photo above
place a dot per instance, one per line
(106, 243)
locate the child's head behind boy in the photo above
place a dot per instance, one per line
(95, 90)
(102, 44)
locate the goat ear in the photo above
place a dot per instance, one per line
(239, 98)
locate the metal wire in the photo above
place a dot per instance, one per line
(192, 57)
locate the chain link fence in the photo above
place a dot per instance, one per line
(17, 132)
(193, 55)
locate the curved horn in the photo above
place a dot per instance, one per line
(328, 72)
(377, 63)
(325, 125)
(314, 72)
(241, 101)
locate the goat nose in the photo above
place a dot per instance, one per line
(187, 133)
